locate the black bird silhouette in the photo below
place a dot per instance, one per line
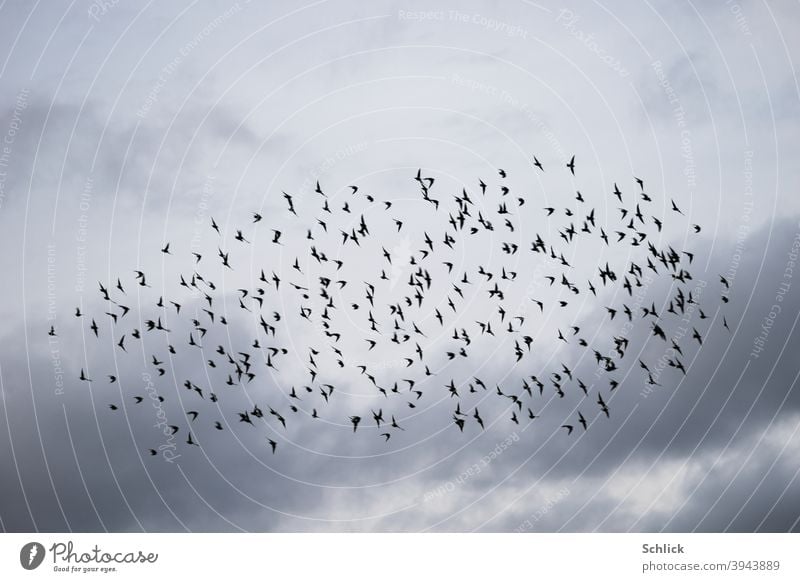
(290, 202)
(364, 292)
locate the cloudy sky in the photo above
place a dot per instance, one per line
(125, 125)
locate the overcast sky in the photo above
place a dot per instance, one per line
(128, 124)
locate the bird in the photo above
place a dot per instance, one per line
(365, 306)
(478, 418)
(290, 202)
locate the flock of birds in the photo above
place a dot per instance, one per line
(396, 311)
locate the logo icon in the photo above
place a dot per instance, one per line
(31, 555)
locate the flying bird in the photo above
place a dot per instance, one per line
(386, 301)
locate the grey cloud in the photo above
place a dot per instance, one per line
(698, 428)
